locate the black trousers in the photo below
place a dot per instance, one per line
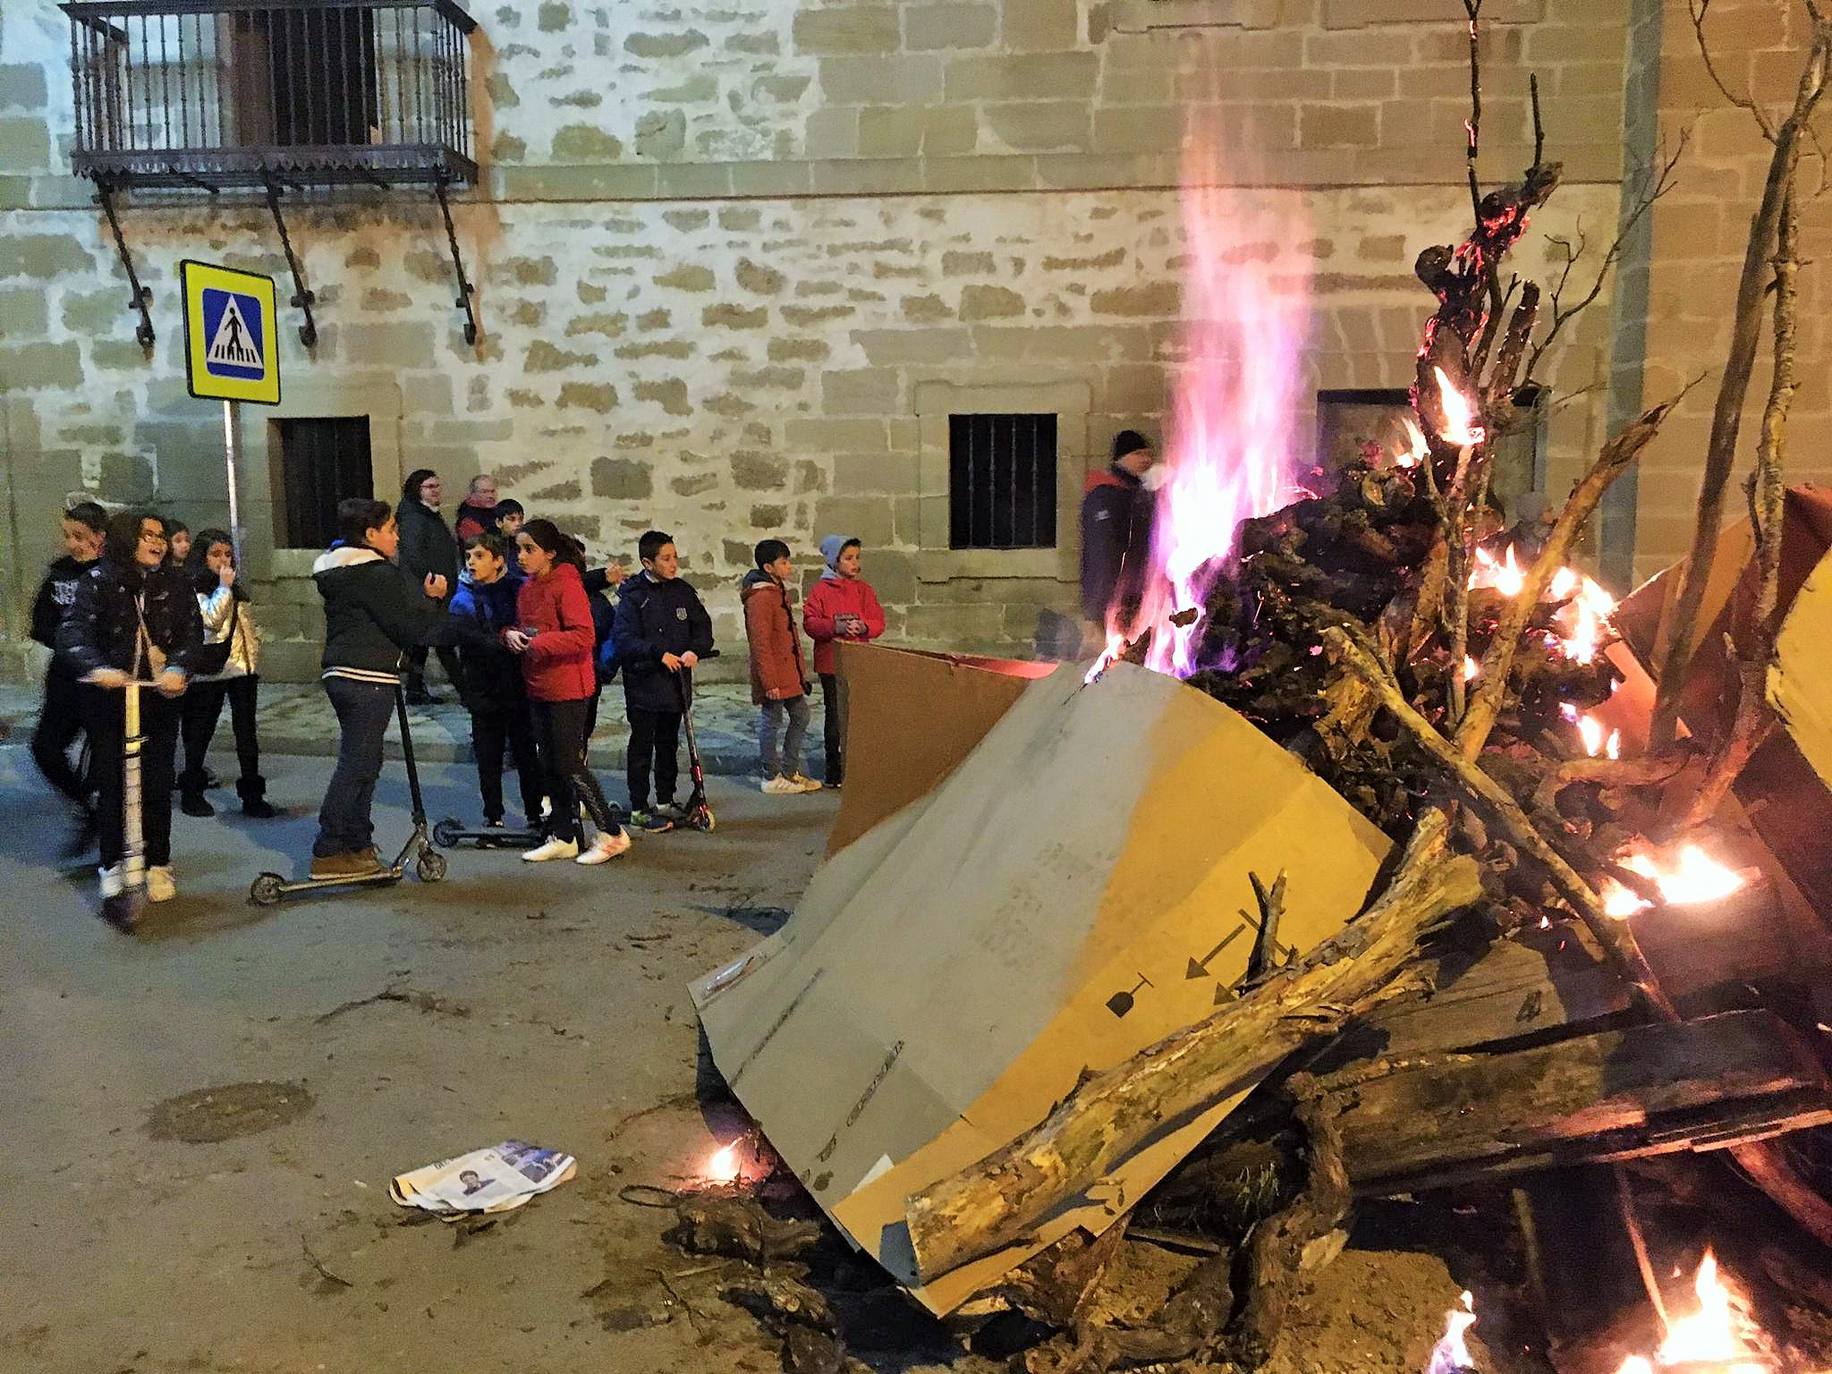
(654, 740)
(559, 734)
(61, 719)
(833, 726)
(490, 731)
(202, 708)
(416, 667)
(159, 722)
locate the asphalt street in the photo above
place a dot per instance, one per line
(200, 1121)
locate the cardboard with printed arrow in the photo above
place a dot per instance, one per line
(1075, 889)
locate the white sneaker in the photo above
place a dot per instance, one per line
(160, 886)
(779, 786)
(605, 848)
(553, 849)
(114, 880)
(804, 783)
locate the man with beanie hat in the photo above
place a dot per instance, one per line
(1116, 512)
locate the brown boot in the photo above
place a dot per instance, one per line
(358, 865)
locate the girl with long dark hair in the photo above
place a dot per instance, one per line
(134, 619)
(555, 639)
(230, 635)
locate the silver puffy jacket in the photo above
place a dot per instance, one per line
(245, 651)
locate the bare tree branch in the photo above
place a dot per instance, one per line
(1733, 389)
(1656, 182)
(1472, 127)
(1698, 9)
(1767, 494)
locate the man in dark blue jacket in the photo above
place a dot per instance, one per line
(1116, 512)
(660, 629)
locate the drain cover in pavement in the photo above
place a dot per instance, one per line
(208, 1115)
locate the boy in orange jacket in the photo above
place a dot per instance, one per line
(841, 606)
(779, 678)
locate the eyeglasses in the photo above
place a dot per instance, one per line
(152, 537)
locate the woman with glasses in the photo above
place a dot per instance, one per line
(134, 619)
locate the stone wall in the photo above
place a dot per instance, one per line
(735, 294)
(1700, 233)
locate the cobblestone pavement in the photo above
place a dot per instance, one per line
(296, 719)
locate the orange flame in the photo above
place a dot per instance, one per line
(723, 1166)
(1505, 576)
(1471, 669)
(1689, 878)
(1585, 619)
(1460, 427)
(1718, 1334)
(1116, 645)
(1416, 448)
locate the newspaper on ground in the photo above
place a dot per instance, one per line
(498, 1179)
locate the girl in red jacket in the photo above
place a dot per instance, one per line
(555, 641)
(841, 606)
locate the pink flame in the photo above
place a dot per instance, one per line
(1233, 450)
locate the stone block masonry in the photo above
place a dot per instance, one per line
(723, 250)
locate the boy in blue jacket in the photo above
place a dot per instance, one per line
(490, 680)
(660, 628)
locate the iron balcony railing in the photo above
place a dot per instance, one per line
(213, 95)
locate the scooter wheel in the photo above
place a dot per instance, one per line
(445, 833)
(430, 866)
(702, 821)
(267, 889)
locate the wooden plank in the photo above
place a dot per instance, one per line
(1615, 1094)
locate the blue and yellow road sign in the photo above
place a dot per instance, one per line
(231, 343)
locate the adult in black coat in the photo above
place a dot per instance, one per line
(428, 549)
(1116, 517)
(134, 617)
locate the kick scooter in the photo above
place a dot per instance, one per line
(428, 863)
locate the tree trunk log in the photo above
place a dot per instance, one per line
(1618, 1094)
(997, 1201)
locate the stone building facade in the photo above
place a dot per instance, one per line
(740, 260)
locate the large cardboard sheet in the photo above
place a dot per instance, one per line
(1074, 890)
(1800, 680)
(910, 718)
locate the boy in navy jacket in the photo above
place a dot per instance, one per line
(660, 629)
(490, 680)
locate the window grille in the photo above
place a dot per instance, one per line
(320, 462)
(1001, 481)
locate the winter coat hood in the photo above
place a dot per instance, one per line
(831, 548)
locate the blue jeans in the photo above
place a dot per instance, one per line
(769, 722)
(363, 712)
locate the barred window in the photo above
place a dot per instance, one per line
(1001, 481)
(318, 463)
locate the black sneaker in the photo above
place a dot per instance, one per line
(651, 822)
(258, 808)
(195, 804)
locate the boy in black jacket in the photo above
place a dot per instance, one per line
(491, 681)
(61, 712)
(373, 613)
(660, 628)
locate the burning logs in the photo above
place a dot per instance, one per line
(998, 1200)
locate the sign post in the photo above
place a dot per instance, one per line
(231, 346)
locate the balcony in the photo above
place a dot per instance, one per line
(213, 96)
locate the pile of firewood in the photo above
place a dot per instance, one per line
(1486, 1015)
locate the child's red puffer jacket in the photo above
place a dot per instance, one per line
(828, 600)
(558, 662)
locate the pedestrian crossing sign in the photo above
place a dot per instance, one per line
(231, 344)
